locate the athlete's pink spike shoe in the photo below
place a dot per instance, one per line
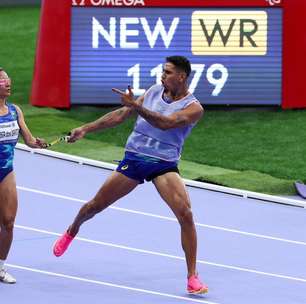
(61, 245)
(195, 286)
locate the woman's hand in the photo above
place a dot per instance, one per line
(37, 143)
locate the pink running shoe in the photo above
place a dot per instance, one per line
(61, 245)
(195, 286)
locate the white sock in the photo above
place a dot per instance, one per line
(1, 264)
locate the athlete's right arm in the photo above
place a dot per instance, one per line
(108, 120)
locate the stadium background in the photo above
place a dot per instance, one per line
(255, 148)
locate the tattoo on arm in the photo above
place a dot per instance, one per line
(108, 120)
(167, 122)
(119, 112)
(154, 118)
(180, 119)
(111, 119)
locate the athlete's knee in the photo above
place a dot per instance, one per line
(185, 216)
(7, 224)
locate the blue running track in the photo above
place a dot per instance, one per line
(249, 251)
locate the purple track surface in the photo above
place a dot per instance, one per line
(249, 251)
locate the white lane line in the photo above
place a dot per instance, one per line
(167, 255)
(267, 237)
(61, 275)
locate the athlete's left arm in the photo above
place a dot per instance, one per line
(189, 115)
(29, 139)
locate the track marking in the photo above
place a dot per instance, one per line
(65, 276)
(267, 237)
(280, 276)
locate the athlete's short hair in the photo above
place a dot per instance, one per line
(180, 62)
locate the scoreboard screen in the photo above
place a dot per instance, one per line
(236, 53)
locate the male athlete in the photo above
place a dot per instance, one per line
(166, 114)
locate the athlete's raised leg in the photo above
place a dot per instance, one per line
(114, 188)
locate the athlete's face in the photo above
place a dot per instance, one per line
(171, 77)
(5, 85)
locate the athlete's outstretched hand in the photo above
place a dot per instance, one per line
(76, 134)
